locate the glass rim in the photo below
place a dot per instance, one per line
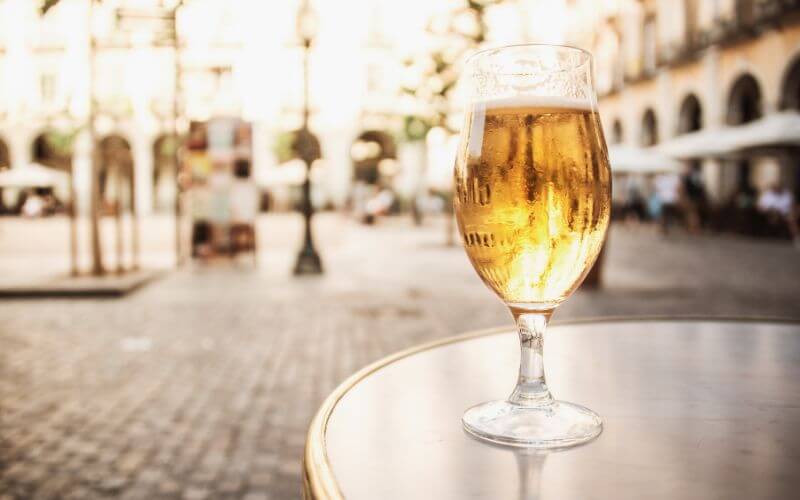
(587, 56)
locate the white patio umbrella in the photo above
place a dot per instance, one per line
(701, 144)
(636, 160)
(775, 129)
(33, 175)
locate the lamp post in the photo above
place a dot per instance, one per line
(306, 145)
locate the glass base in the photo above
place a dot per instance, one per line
(554, 424)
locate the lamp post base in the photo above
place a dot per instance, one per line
(308, 262)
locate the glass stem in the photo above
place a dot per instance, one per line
(531, 389)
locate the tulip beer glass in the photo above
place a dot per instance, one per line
(532, 201)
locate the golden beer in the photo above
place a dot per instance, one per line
(533, 191)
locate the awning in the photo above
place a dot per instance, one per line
(774, 130)
(634, 160)
(33, 175)
(700, 144)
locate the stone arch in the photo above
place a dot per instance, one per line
(116, 173)
(52, 149)
(368, 150)
(617, 133)
(745, 100)
(745, 104)
(649, 132)
(790, 85)
(164, 173)
(790, 100)
(5, 163)
(690, 115)
(5, 155)
(115, 162)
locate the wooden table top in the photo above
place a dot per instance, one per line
(692, 409)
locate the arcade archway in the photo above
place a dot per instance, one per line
(649, 132)
(744, 105)
(790, 100)
(118, 194)
(164, 173)
(54, 149)
(617, 134)
(790, 87)
(369, 152)
(690, 116)
(5, 156)
(5, 163)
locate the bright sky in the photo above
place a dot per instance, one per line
(267, 75)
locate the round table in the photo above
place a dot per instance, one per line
(692, 409)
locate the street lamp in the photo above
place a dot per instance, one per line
(306, 145)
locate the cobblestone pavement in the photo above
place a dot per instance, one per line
(202, 385)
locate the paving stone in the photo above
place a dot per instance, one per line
(202, 385)
(196, 494)
(256, 496)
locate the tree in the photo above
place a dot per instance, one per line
(94, 188)
(46, 5)
(434, 74)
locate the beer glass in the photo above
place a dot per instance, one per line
(532, 201)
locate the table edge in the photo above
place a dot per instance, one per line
(318, 478)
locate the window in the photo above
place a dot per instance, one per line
(374, 77)
(649, 45)
(47, 84)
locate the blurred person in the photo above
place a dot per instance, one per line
(219, 185)
(244, 209)
(653, 206)
(357, 199)
(695, 199)
(668, 192)
(380, 204)
(743, 214)
(201, 224)
(778, 205)
(634, 208)
(745, 197)
(361, 195)
(34, 205)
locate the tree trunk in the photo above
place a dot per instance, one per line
(94, 213)
(73, 225)
(94, 178)
(118, 223)
(134, 219)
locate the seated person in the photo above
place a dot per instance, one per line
(244, 209)
(777, 204)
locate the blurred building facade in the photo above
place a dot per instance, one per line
(239, 58)
(666, 68)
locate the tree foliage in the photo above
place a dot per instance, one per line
(46, 5)
(435, 73)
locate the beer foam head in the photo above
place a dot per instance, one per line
(532, 101)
